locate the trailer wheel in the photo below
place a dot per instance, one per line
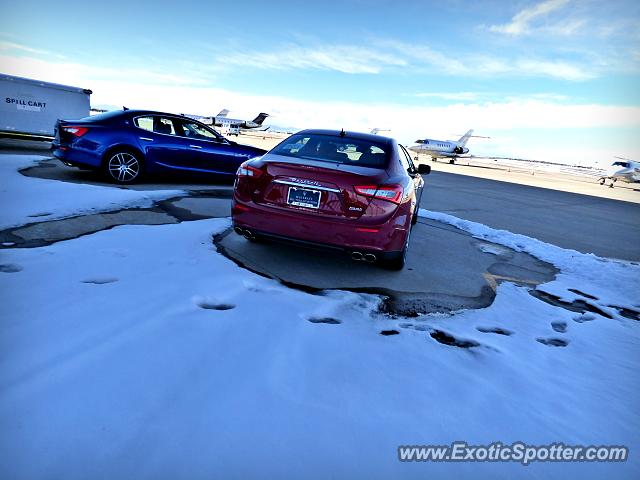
(123, 167)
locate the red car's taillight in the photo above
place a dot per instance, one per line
(248, 171)
(393, 193)
(76, 131)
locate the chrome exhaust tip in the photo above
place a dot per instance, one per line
(357, 256)
(238, 230)
(369, 257)
(248, 235)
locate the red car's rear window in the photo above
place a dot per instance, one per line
(335, 149)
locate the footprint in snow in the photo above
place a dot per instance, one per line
(560, 327)
(585, 317)
(215, 306)
(496, 330)
(387, 333)
(553, 342)
(100, 281)
(10, 268)
(328, 320)
(448, 339)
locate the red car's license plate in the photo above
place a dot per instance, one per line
(303, 197)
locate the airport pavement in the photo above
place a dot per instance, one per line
(584, 184)
(608, 228)
(432, 280)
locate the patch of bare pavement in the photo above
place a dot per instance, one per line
(430, 282)
(199, 205)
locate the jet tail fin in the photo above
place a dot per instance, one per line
(223, 113)
(465, 138)
(260, 118)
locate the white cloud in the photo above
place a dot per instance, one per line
(566, 28)
(421, 55)
(70, 72)
(554, 97)
(12, 46)
(482, 97)
(483, 65)
(557, 69)
(340, 58)
(461, 96)
(400, 55)
(521, 22)
(532, 67)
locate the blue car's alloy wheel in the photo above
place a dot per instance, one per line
(124, 167)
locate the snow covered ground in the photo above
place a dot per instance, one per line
(27, 200)
(141, 352)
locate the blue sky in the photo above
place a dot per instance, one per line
(528, 73)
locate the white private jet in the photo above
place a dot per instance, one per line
(622, 169)
(450, 149)
(221, 120)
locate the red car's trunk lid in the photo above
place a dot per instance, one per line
(316, 187)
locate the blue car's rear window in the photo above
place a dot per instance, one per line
(335, 149)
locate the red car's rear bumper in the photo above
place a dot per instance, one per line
(347, 235)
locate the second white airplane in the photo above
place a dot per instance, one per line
(450, 149)
(623, 169)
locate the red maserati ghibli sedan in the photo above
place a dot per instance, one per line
(354, 192)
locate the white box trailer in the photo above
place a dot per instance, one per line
(30, 108)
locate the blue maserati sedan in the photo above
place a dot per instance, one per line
(127, 144)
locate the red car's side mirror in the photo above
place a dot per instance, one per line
(424, 169)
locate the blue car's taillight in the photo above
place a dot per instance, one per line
(75, 131)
